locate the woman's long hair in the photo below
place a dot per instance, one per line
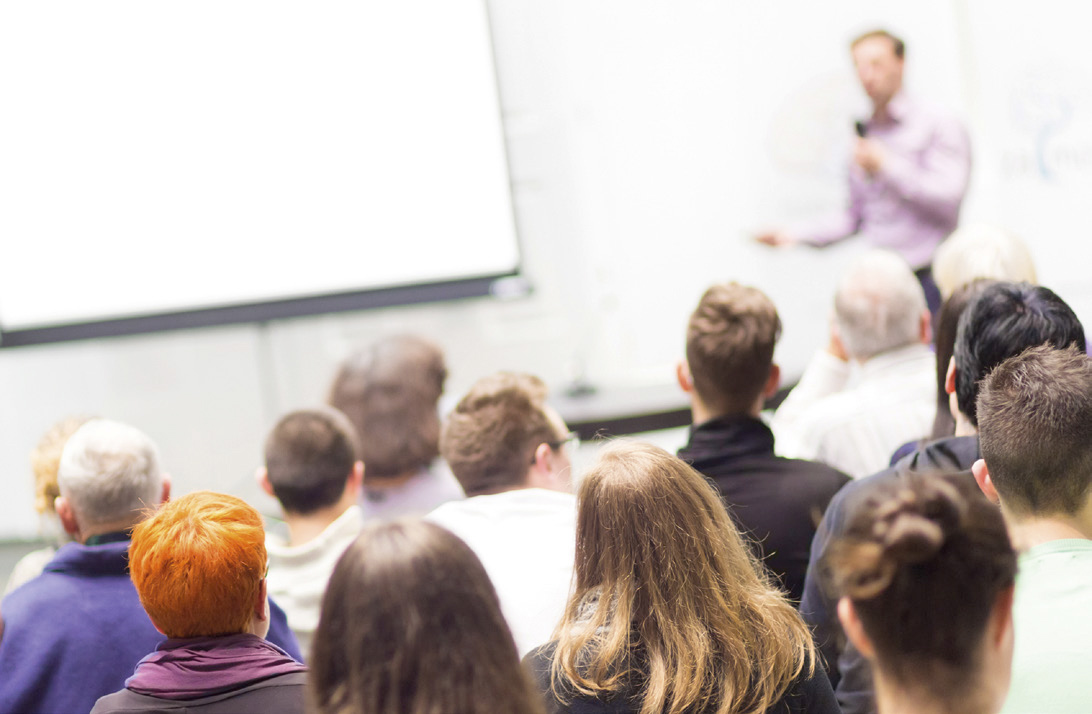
(411, 624)
(669, 603)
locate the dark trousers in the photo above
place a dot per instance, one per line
(932, 293)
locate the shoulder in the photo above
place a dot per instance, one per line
(808, 695)
(283, 694)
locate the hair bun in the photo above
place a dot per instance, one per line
(913, 525)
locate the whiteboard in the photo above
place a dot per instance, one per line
(158, 157)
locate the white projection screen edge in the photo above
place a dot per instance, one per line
(173, 166)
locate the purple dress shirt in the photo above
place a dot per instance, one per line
(912, 204)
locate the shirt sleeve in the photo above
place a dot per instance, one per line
(825, 375)
(833, 226)
(935, 180)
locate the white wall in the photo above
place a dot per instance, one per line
(647, 141)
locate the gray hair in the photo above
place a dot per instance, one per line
(981, 251)
(878, 305)
(109, 472)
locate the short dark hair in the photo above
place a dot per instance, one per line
(1003, 321)
(896, 43)
(1035, 426)
(490, 439)
(308, 457)
(390, 391)
(923, 560)
(730, 345)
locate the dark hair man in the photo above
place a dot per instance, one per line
(312, 468)
(909, 169)
(1034, 423)
(728, 374)
(508, 449)
(1001, 322)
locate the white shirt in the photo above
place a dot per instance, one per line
(855, 422)
(298, 574)
(526, 540)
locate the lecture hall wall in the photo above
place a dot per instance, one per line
(647, 142)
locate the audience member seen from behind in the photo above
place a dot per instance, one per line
(75, 632)
(947, 322)
(390, 392)
(1035, 420)
(312, 467)
(44, 461)
(925, 572)
(981, 251)
(411, 625)
(509, 450)
(728, 374)
(871, 390)
(199, 566)
(671, 611)
(1001, 322)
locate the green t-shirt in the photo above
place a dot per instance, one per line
(1052, 615)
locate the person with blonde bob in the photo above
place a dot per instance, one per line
(925, 574)
(199, 566)
(411, 624)
(671, 612)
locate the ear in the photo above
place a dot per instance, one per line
(355, 482)
(982, 478)
(165, 494)
(685, 379)
(545, 472)
(67, 516)
(262, 477)
(773, 382)
(926, 327)
(854, 629)
(1000, 623)
(949, 377)
(261, 602)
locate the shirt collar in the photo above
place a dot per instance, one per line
(898, 107)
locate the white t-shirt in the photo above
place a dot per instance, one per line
(298, 574)
(526, 539)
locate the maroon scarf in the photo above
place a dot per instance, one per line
(203, 666)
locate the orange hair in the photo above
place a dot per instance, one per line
(198, 563)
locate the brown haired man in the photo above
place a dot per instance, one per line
(312, 467)
(729, 373)
(507, 448)
(1034, 423)
(909, 169)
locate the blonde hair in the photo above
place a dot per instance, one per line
(46, 459)
(981, 251)
(668, 599)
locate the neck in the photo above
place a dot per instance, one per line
(893, 699)
(86, 533)
(304, 528)
(1028, 532)
(382, 483)
(701, 413)
(963, 425)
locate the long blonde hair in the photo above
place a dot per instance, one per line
(669, 601)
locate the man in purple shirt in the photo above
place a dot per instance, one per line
(908, 173)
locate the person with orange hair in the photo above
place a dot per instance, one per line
(199, 566)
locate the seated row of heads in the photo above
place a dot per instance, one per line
(409, 603)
